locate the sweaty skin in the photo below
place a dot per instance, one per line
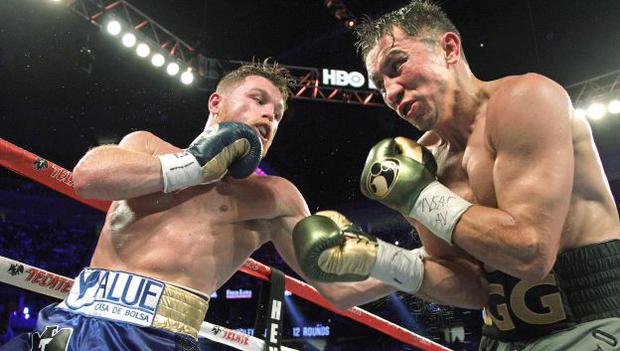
(512, 147)
(198, 237)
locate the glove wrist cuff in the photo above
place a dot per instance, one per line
(180, 170)
(439, 209)
(399, 267)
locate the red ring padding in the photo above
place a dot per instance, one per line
(50, 174)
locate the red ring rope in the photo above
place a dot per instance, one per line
(50, 174)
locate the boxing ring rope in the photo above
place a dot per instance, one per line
(50, 174)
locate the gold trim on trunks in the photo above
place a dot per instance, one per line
(180, 311)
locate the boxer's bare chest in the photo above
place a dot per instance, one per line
(177, 235)
(239, 208)
(469, 172)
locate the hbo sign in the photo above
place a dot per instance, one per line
(343, 78)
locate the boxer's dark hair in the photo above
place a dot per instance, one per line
(271, 70)
(420, 18)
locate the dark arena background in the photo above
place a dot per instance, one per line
(68, 85)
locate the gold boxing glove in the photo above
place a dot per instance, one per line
(330, 248)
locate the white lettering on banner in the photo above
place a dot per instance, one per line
(115, 295)
(343, 78)
(276, 307)
(329, 76)
(356, 79)
(273, 338)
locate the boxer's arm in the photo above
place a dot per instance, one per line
(291, 209)
(528, 127)
(446, 281)
(132, 169)
(455, 277)
(124, 171)
(454, 281)
(340, 294)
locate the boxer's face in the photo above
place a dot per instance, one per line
(412, 75)
(255, 101)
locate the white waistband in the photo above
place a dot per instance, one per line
(135, 299)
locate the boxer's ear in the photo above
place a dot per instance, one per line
(215, 103)
(451, 46)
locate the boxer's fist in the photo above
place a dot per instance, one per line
(330, 248)
(400, 173)
(231, 146)
(396, 172)
(225, 147)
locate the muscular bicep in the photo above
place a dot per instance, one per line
(124, 171)
(146, 143)
(529, 129)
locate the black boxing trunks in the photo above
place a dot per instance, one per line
(583, 286)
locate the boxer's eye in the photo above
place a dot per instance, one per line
(396, 66)
(393, 64)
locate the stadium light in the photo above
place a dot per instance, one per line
(129, 40)
(596, 111)
(113, 27)
(158, 60)
(187, 77)
(172, 68)
(614, 106)
(580, 113)
(143, 50)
